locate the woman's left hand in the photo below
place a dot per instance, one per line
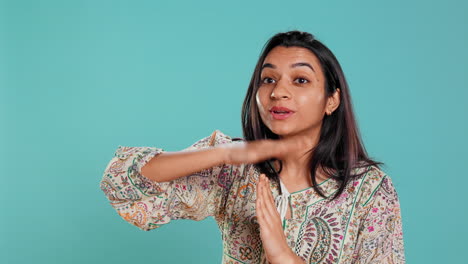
(271, 228)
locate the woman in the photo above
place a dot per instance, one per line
(299, 188)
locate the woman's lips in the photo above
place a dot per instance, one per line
(281, 116)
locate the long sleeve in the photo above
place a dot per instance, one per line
(380, 237)
(148, 204)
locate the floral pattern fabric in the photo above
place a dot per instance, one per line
(363, 225)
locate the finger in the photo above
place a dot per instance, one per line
(270, 194)
(269, 204)
(258, 209)
(274, 217)
(269, 211)
(259, 204)
(261, 216)
(262, 211)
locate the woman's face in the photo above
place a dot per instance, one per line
(292, 77)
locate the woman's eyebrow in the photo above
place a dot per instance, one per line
(297, 64)
(268, 65)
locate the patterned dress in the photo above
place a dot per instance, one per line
(363, 225)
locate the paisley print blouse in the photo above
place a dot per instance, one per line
(363, 225)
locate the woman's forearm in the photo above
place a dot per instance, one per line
(168, 166)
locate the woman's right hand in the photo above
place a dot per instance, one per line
(243, 152)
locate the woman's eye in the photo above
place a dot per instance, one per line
(302, 80)
(267, 80)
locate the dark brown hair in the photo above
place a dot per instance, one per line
(340, 147)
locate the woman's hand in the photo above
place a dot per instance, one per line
(251, 152)
(271, 228)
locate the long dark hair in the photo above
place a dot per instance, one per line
(340, 147)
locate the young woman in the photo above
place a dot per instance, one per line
(299, 188)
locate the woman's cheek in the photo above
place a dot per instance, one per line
(260, 100)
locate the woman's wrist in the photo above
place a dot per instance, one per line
(225, 154)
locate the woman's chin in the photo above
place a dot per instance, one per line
(282, 132)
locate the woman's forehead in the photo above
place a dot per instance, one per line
(281, 56)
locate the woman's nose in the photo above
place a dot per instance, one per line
(280, 90)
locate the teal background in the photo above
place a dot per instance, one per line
(79, 78)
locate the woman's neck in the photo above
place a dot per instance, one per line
(297, 172)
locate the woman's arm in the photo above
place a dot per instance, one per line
(169, 166)
(149, 204)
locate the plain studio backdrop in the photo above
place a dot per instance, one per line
(79, 78)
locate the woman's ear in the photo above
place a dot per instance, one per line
(333, 101)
